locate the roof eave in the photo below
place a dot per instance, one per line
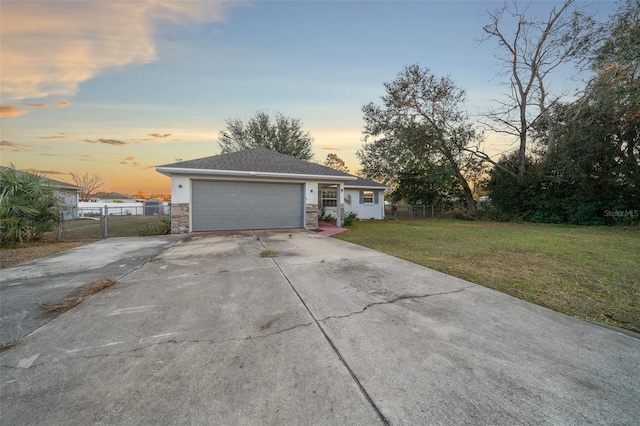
(347, 186)
(168, 171)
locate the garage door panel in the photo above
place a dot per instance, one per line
(246, 205)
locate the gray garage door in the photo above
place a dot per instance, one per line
(246, 205)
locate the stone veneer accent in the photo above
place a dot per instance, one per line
(180, 218)
(311, 216)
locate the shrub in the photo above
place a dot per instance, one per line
(28, 206)
(161, 228)
(348, 220)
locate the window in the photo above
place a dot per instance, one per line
(367, 197)
(329, 198)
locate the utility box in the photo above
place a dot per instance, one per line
(153, 207)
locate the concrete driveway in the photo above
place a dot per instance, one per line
(327, 332)
(51, 279)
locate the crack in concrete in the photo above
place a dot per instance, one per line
(334, 348)
(392, 301)
(167, 342)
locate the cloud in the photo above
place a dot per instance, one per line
(38, 105)
(130, 161)
(14, 147)
(85, 157)
(50, 47)
(107, 141)
(9, 111)
(159, 135)
(331, 149)
(63, 104)
(58, 136)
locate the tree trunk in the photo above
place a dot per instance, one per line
(468, 194)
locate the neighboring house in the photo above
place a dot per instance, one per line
(112, 197)
(262, 189)
(67, 194)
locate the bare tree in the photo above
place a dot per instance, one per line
(529, 53)
(90, 184)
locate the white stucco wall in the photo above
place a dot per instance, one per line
(311, 192)
(364, 211)
(180, 189)
(69, 201)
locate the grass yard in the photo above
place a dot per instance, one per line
(117, 226)
(587, 272)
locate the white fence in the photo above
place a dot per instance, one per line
(121, 209)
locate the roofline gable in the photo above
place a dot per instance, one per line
(169, 171)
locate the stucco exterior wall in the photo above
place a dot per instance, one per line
(364, 211)
(68, 201)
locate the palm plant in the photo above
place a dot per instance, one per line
(28, 206)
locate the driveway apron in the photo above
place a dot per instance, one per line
(326, 332)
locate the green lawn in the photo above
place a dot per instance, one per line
(117, 226)
(588, 272)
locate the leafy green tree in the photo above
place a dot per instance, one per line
(420, 124)
(281, 134)
(336, 163)
(424, 184)
(28, 206)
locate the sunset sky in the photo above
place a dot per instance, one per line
(119, 87)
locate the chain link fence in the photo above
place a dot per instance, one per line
(93, 223)
(403, 211)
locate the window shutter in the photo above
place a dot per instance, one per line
(361, 197)
(376, 200)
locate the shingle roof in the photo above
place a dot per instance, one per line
(364, 183)
(54, 183)
(259, 160)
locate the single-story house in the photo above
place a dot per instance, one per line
(68, 195)
(263, 189)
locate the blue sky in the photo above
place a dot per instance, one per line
(117, 88)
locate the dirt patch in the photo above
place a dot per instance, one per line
(268, 253)
(85, 291)
(29, 251)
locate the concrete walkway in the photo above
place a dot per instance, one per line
(327, 332)
(326, 229)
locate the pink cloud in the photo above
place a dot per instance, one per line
(51, 47)
(14, 147)
(9, 111)
(107, 141)
(58, 136)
